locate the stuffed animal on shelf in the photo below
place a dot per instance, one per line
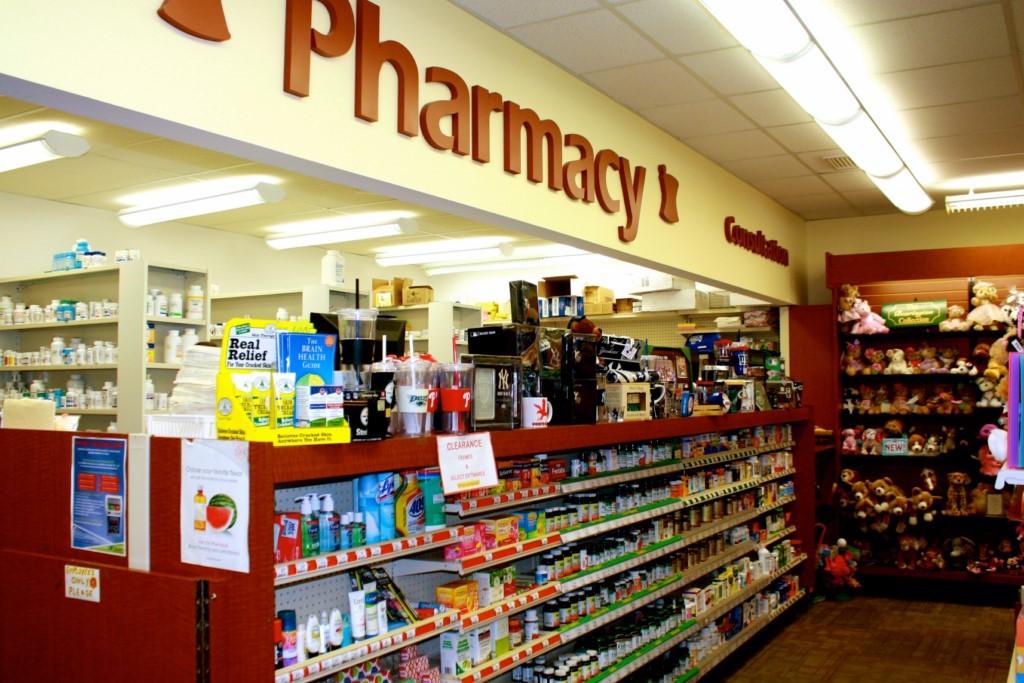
(977, 499)
(949, 440)
(932, 445)
(866, 404)
(874, 362)
(964, 367)
(860, 490)
(992, 459)
(893, 428)
(931, 560)
(985, 313)
(849, 445)
(956, 496)
(998, 360)
(901, 399)
(899, 509)
(954, 321)
(850, 398)
(869, 444)
(897, 363)
(948, 358)
(881, 489)
(852, 362)
(919, 400)
(848, 296)
(980, 353)
(915, 444)
(930, 363)
(959, 552)
(849, 476)
(882, 403)
(966, 401)
(988, 398)
(929, 479)
(923, 506)
(906, 551)
(868, 322)
(864, 512)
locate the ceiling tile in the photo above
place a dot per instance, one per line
(87, 174)
(173, 157)
(766, 168)
(966, 168)
(698, 118)
(792, 187)
(12, 107)
(285, 209)
(814, 202)
(504, 14)
(965, 117)
(731, 72)
(983, 79)
(816, 161)
(848, 181)
(771, 108)
(872, 202)
(803, 137)
(933, 39)
(873, 11)
(652, 84)
(977, 145)
(682, 28)
(1018, 18)
(331, 195)
(746, 144)
(588, 42)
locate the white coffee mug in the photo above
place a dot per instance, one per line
(537, 411)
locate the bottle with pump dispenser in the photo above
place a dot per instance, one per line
(330, 525)
(309, 528)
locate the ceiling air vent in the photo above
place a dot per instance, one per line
(840, 163)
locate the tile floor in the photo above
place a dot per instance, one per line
(883, 639)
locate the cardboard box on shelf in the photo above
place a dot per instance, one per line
(719, 299)
(675, 300)
(560, 285)
(626, 304)
(389, 292)
(658, 282)
(604, 308)
(416, 295)
(592, 294)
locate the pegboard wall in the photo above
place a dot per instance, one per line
(657, 332)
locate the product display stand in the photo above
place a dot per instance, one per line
(238, 618)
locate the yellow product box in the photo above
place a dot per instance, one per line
(461, 595)
(499, 531)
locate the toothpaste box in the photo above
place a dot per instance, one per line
(455, 655)
(287, 537)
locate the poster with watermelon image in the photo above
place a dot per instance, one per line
(214, 507)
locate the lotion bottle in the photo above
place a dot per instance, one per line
(312, 635)
(335, 630)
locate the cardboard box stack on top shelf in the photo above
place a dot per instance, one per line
(666, 293)
(400, 291)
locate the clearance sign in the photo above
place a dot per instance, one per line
(461, 124)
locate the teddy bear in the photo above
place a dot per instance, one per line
(882, 403)
(906, 552)
(893, 428)
(915, 444)
(852, 362)
(868, 322)
(959, 552)
(948, 358)
(932, 445)
(922, 506)
(881, 521)
(863, 511)
(848, 296)
(980, 353)
(880, 489)
(874, 361)
(866, 404)
(956, 496)
(849, 441)
(998, 360)
(985, 313)
(941, 401)
(901, 399)
(977, 500)
(897, 363)
(869, 444)
(860, 490)
(954, 321)
(919, 400)
(930, 363)
(849, 476)
(967, 403)
(988, 398)
(899, 508)
(948, 441)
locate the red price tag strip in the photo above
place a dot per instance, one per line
(508, 552)
(503, 499)
(512, 659)
(510, 605)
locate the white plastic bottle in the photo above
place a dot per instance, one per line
(332, 269)
(172, 347)
(195, 303)
(159, 304)
(188, 340)
(57, 347)
(76, 385)
(37, 389)
(175, 305)
(149, 401)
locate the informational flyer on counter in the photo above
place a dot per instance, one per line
(215, 504)
(98, 497)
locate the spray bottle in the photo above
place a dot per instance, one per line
(310, 527)
(369, 507)
(411, 512)
(330, 525)
(386, 502)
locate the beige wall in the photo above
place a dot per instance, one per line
(933, 230)
(117, 61)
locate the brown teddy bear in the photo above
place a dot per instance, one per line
(922, 506)
(848, 295)
(899, 507)
(849, 476)
(906, 553)
(860, 490)
(880, 489)
(863, 511)
(956, 497)
(915, 444)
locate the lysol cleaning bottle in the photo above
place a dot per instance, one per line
(410, 511)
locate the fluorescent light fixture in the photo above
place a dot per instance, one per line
(402, 226)
(769, 29)
(903, 190)
(513, 264)
(865, 144)
(979, 201)
(260, 193)
(51, 146)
